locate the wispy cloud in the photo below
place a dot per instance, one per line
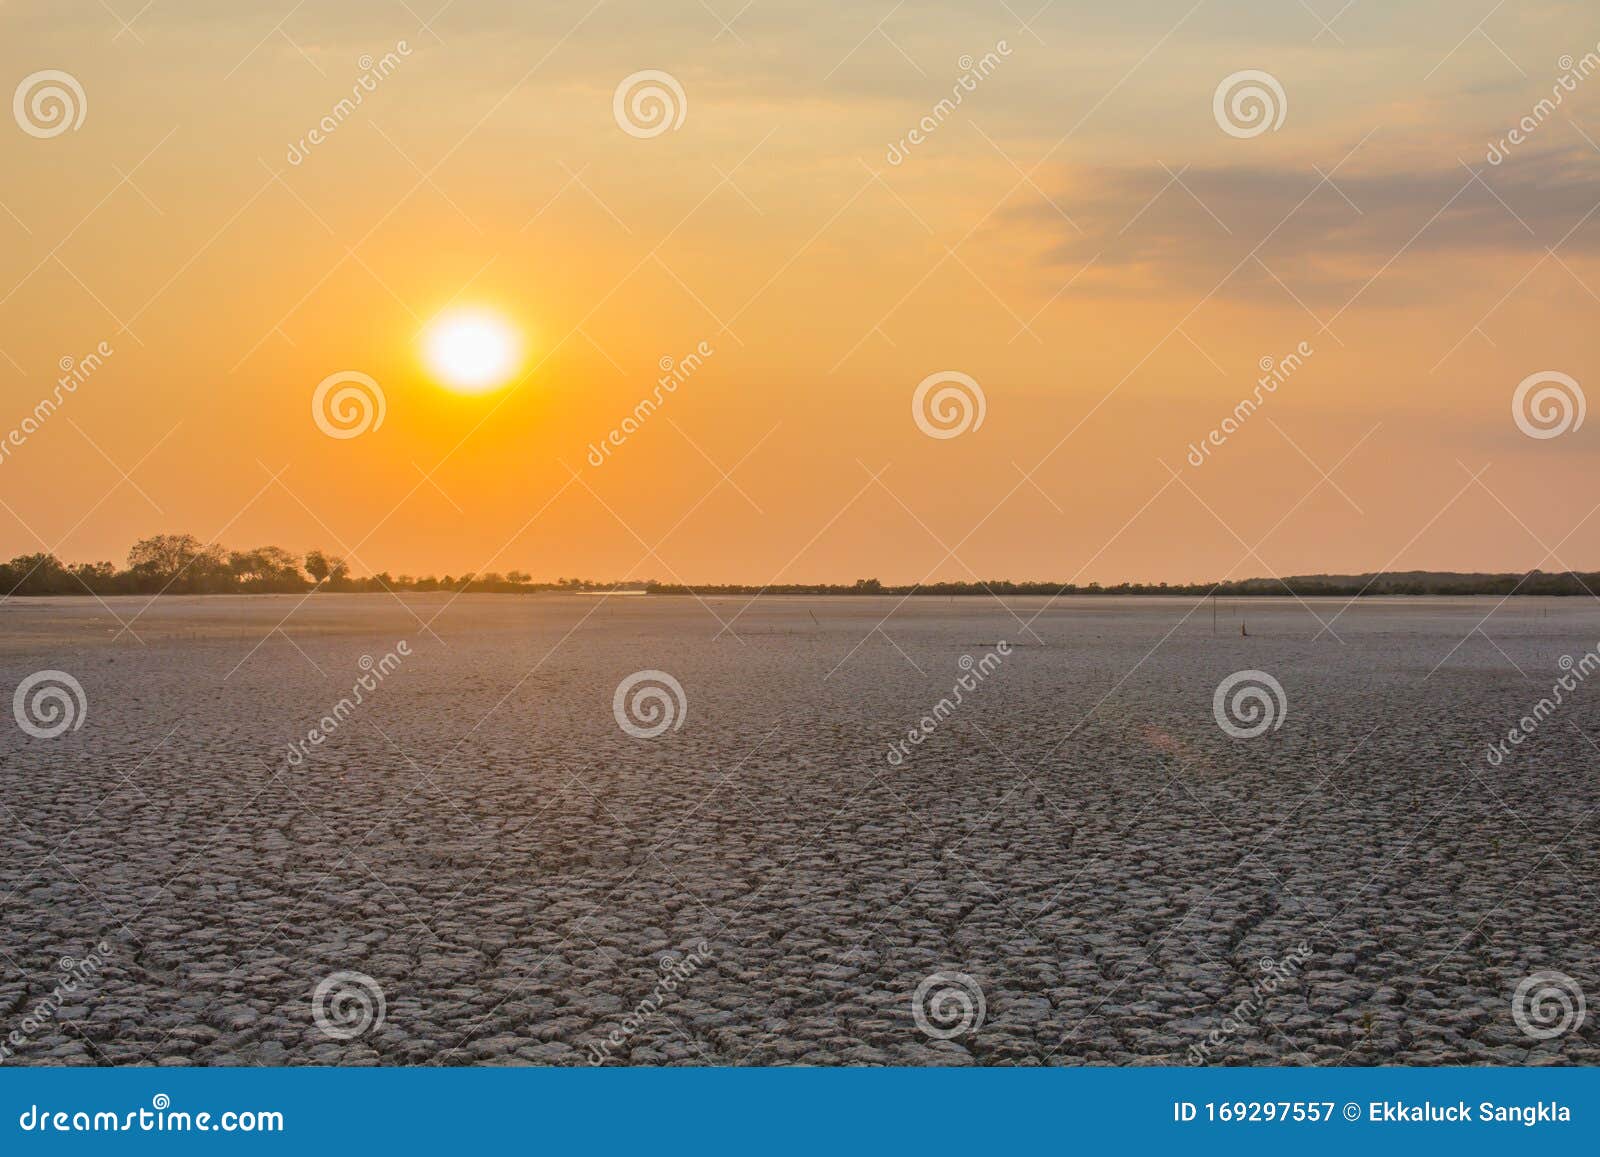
(1187, 228)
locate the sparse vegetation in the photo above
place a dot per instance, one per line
(182, 564)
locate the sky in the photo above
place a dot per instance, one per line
(1089, 240)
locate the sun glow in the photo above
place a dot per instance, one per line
(471, 350)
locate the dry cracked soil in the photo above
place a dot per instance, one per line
(1116, 878)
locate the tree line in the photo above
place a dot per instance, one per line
(182, 564)
(1305, 586)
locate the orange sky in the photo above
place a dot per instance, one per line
(1080, 236)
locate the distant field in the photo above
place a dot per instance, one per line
(1113, 875)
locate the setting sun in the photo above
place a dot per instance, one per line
(471, 350)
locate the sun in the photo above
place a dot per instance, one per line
(471, 350)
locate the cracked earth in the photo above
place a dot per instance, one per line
(1079, 837)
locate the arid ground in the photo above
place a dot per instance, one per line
(1114, 876)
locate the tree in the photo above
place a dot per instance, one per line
(281, 566)
(266, 568)
(95, 576)
(326, 568)
(243, 564)
(164, 555)
(179, 562)
(35, 574)
(317, 566)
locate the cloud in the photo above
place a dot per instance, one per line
(1188, 228)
